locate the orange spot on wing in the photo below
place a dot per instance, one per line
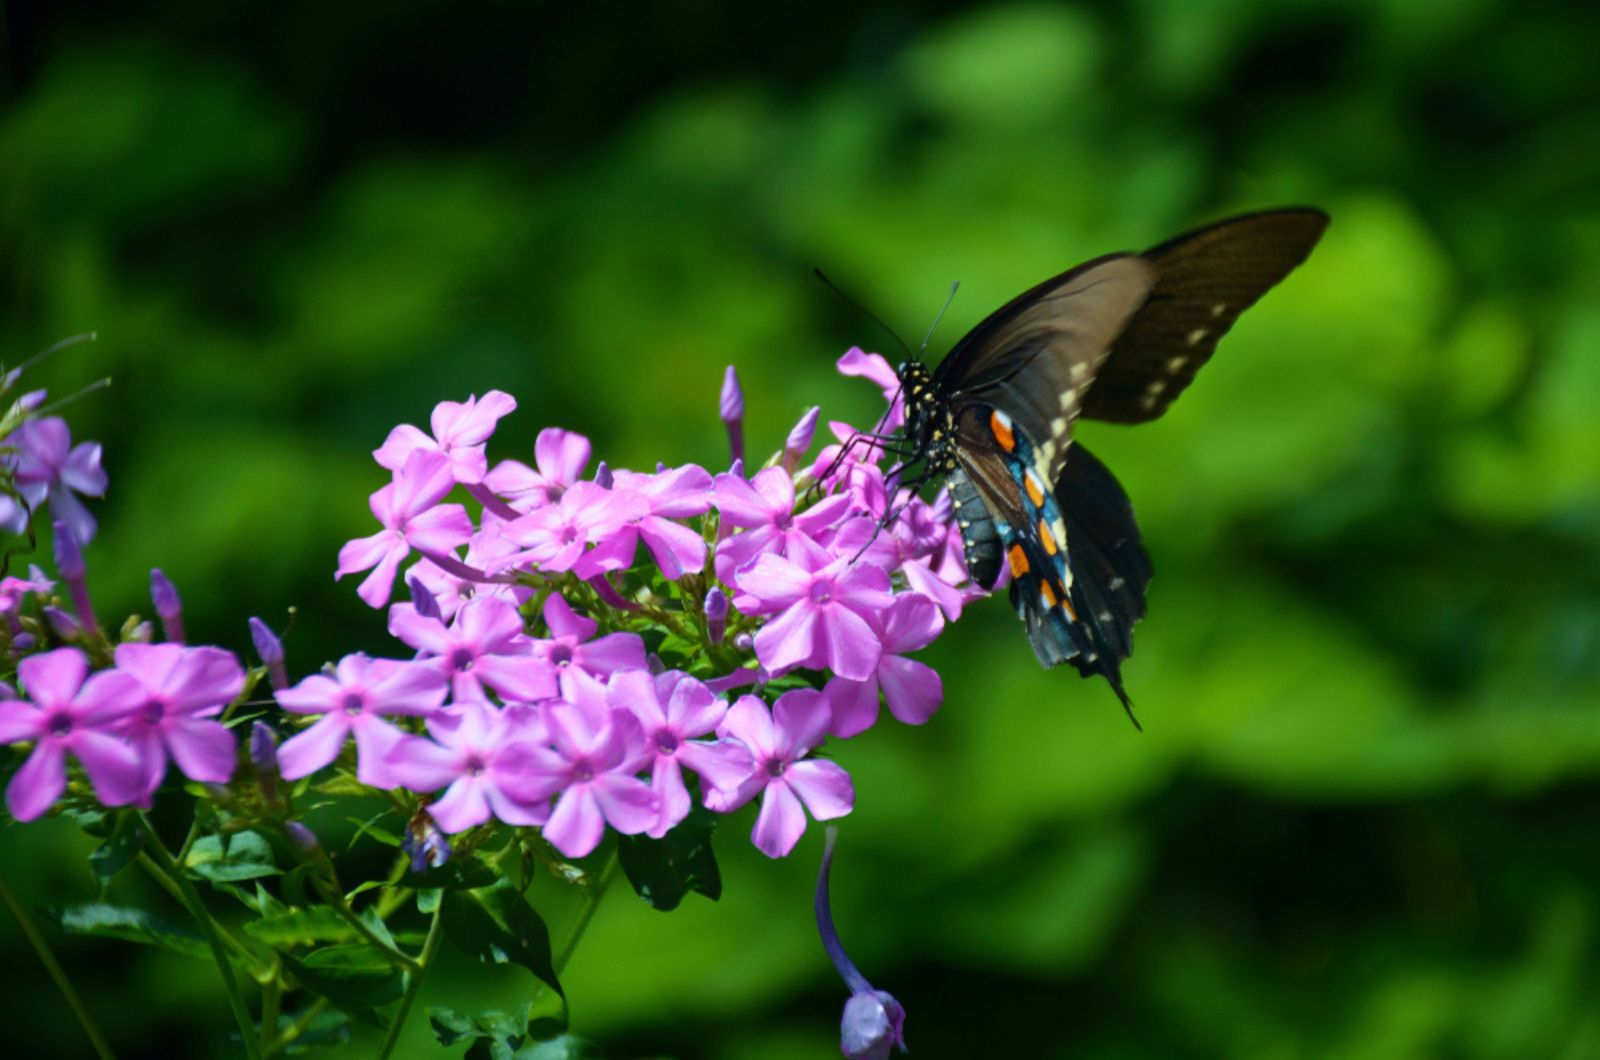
(1018, 560)
(1002, 432)
(1048, 594)
(1045, 536)
(1035, 494)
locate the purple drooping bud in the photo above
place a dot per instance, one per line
(62, 624)
(270, 650)
(603, 477)
(264, 756)
(302, 837)
(69, 561)
(744, 642)
(716, 614)
(799, 440)
(422, 598)
(168, 606)
(874, 1022)
(732, 409)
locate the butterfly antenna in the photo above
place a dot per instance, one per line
(929, 337)
(864, 311)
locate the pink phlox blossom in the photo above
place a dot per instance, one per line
(353, 700)
(50, 468)
(875, 368)
(572, 643)
(66, 714)
(484, 551)
(676, 493)
(595, 751)
(911, 688)
(184, 691)
(555, 536)
(14, 590)
(560, 455)
(674, 709)
(485, 645)
(818, 605)
(850, 464)
(785, 779)
(763, 508)
(460, 431)
(485, 757)
(412, 517)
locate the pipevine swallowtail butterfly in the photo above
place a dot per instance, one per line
(1118, 339)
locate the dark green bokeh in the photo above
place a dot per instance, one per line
(1359, 823)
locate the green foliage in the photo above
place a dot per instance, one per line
(663, 871)
(1356, 825)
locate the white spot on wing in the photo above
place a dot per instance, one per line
(1152, 393)
(1058, 426)
(1219, 309)
(1069, 398)
(1079, 370)
(1176, 363)
(1196, 336)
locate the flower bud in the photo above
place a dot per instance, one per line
(302, 837)
(422, 598)
(603, 477)
(732, 410)
(62, 624)
(270, 649)
(873, 1022)
(168, 606)
(799, 440)
(716, 614)
(69, 561)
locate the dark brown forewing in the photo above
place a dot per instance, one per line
(1036, 356)
(1204, 280)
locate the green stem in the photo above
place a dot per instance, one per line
(591, 902)
(160, 875)
(332, 896)
(47, 958)
(429, 948)
(298, 1027)
(208, 928)
(271, 999)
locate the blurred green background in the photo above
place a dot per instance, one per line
(1361, 820)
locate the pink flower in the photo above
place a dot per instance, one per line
(70, 715)
(554, 536)
(486, 756)
(412, 517)
(353, 701)
(570, 643)
(677, 493)
(819, 606)
(597, 750)
(875, 368)
(673, 709)
(913, 689)
(764, 506)
(485, 645)
(778, 742)
(184, 690)
(460, 431)
(49, 467)
(561, 457)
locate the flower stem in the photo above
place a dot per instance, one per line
(332, 896)
(57, 974)
(591, 902)
(208, 928)
(429, 948)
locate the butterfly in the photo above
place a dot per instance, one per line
(1118, 339)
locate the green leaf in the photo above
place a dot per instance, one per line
(565, 1047)
(121, 847)
(328, 1027)
(133, 925)
(301, 927)
(461, 874)
(663, 870)
(496, 925)
(368, 828)
(228, 859)
(352, 977)
(507, 1029)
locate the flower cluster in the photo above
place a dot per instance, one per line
(567, 678)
